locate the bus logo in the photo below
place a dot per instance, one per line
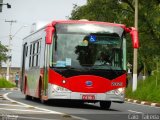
(89, 83)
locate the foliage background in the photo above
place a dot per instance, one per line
(122, 11)
(3, 55)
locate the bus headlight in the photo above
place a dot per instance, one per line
(60, 89)
(119, 91)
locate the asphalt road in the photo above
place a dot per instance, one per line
(125, 111)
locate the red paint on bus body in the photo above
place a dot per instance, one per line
(134, 36)
(49, 33)
(26, 88)
(79, 83)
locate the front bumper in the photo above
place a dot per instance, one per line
(69, 95)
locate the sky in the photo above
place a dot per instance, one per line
(27, 12)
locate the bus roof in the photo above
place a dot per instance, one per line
(79, 22)
(88, 22)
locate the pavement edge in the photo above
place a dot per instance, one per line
(10, 88)
(143, 102)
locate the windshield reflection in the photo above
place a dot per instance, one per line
(100, 50)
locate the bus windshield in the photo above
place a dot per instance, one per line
(90, 46)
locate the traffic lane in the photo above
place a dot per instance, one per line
(64, 107)
(4, 91)
(87, 111)
(145, 108)
(78, 108)
(137, 108)
(12, 109)
(115, 107)
(35, 117)
(92, 110)
(80, 114)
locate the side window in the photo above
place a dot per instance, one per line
(117, 55)
(30, 55)
(53, 53)
(26, 51)
(37, 52)
(34, 53)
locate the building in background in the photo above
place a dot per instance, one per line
(13, 71)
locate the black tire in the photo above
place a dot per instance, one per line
(27, 97)
(43, 101)
(105, 104)
(40, 94)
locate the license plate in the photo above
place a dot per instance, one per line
(88, 97)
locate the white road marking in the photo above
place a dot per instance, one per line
(6, 97)
(33, 118)
(11, 105)
(134, 111)
(46, 110)
(26, 105)
(23, 110)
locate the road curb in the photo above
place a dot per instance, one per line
(143, 102)
(10, 89)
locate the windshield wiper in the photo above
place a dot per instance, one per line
(66, 68)
(109, 68)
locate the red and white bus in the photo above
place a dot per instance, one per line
(76, 60)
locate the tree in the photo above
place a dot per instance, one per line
(3, 55)
(123, 12)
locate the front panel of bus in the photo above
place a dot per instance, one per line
(87, 62)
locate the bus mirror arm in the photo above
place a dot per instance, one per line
(49, 33)
(134, 36)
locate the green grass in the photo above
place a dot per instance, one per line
(147, 90)
(6, 84)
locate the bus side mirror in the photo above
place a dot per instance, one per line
(134, 36)
(49, 33)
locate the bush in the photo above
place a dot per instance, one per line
(5, 84)
(147, 90)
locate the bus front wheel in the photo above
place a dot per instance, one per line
(105, 104)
